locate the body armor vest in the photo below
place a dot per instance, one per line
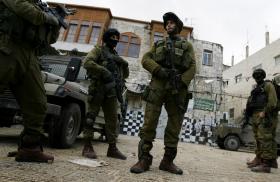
(258, 98)
(107, 59)
(179, 61)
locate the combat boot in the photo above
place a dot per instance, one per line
(264, 167)
(143, 164)
(33, 155)
(114, 152)
(167, 164)
(88, 150)
(255, 162)
(31, 150)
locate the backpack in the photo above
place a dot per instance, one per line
(277, 90)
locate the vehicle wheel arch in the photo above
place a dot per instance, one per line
(63, 101)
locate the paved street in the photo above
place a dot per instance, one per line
(200, 163)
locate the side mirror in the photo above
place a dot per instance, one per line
(73, 69)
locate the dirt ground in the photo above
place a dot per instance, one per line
(199, 162)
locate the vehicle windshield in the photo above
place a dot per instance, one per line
(60, 69)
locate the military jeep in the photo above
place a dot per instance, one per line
(233, 136)
(66, 85)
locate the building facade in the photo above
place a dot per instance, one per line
(239, 81)
(207, 84)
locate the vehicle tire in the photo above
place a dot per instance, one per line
(66, 127)
(232, 143)
(220, 143)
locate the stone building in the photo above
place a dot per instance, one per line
(207, 84)
(86, 28)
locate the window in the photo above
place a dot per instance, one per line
(61, 33)
(95, 33)
(238, 78)
(83, 32)
(207, 58)
(72, 31)
(122, 45)
(129, 45)
(57, 69)
(277, 60)
(158, 36)
(60, 70)
(225, 83)
(231, 113)
(134, 48)
(257, 67)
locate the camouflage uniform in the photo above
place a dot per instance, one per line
(95, 63)
(19, 69)
(105, 69)
(265, 128)
(264, 99)
(162, 92)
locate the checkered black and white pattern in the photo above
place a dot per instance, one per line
(133, 122)
(194, 131)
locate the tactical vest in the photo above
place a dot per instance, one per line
(21, 30)
(179, 62)
(104, 61)
(258, 99)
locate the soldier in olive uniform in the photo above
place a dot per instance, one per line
(172, 65)
(107, 72)
(261, 107)
(20, 35)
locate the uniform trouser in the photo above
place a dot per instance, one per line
(265, 132)
(109, 107)
(19, 71)
(155, 100)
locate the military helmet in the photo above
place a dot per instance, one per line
(109, 33)
(171, 16)
(259, 73)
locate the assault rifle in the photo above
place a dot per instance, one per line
(119, 82)
(174, 76)
(60, 12)
(246, 118)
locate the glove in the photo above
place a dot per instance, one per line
(106, 76)
(50, 19)
(121, 61)
(180, 84)
(162, 73)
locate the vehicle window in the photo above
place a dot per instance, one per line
(57, 69)
(82, 74)
(60, 69)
